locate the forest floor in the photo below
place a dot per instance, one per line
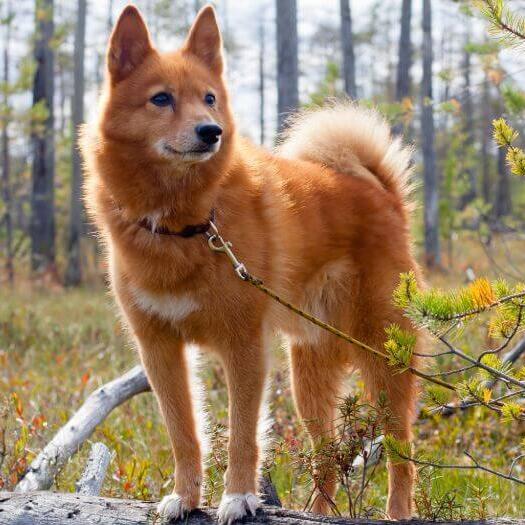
(56, 346)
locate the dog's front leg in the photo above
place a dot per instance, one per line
(164, 360)
(245, 368)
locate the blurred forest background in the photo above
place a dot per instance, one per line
(430, 66)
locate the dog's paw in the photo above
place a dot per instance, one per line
(173, 507)
(235, 506)
(400, 513)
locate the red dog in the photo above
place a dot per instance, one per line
(325, 222)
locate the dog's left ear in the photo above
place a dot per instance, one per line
(204, 40)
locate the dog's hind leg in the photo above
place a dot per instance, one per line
(317, 374)
(400, 392)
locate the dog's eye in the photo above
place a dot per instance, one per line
(210, 99)
(162, 99)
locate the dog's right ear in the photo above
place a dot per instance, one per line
(129, 44)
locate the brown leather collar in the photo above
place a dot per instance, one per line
(186, 232)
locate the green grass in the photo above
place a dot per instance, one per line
(56, 346)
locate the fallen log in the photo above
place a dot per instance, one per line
(47, 508)
(68, 440)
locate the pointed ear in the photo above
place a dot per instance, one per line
(204, 40)
(129, 44)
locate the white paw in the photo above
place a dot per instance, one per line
(235, 506)
(172, 507)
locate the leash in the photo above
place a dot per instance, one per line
(218, 245)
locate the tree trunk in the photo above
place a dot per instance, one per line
(262, 99)
(287, 60)
(486, 138)
(47, 508)
(403, 80)
(43, 170)
(468, 126)
(347, 40)
(74, 271)
(6, 182)
(431, 190)
(503, 202)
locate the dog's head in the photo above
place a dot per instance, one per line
(172, 106)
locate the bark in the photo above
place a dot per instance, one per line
(43, 169)
(287, 60)
(347, 40)
(431, 183)
(70, 437)
(74, 269)
(45, 508)
(6, 182)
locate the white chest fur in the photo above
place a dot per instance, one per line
(170, 307)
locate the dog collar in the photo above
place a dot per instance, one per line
(186, 232)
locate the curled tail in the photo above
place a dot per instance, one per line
(351, 140)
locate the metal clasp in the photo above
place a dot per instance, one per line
(223, 246)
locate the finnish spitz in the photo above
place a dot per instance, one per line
(324, 221)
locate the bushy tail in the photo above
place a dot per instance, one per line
(351, 140)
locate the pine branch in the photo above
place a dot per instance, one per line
(400, 451)
(508, 27)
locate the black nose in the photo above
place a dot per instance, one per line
(208, 133)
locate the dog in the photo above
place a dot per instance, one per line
(324, 221)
